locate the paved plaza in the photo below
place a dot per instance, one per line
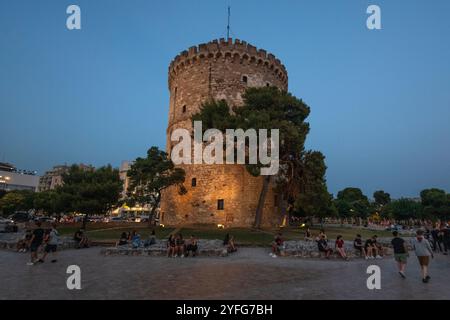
(249, 274)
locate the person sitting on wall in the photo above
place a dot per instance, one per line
(171, 246)
(277, 245)
(123, 240)
(23, 244)
(308, 235)
(151, 240)
(322, 245)
(192, 246)
(379, 246)
(371, 249)
(321, 235)
(229, 243)
(340, 248)
(81, 239)
(135, 240)
(358, 245)
(179, 243)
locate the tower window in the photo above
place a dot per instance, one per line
(194, 182)
(267, 84)
(220, 204)
(244, 79)
(184, 109)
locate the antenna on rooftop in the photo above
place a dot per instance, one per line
(228, 25)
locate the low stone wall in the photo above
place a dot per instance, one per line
(205, 248)
(309, 249)
(8, 241)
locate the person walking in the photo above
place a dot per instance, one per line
(52, 240)
(446, 238)
(435, 239)
(400, 253)
(35, 242)
(423, 252)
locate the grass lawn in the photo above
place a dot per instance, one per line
(243, 236)
(112, 231)
(347, 233)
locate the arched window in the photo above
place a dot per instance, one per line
(194, 182)
(184, 109)
(244, 79)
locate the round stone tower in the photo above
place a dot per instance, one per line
(219, 194)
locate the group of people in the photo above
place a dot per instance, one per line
(422, 249)
(134, 239)
(81, 239)
(439, 238)
(370, 249)
(178, 247)
(40, 241)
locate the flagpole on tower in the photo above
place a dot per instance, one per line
(228, 25)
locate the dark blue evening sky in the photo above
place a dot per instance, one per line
(380, 100)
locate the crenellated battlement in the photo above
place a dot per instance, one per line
(236, 51)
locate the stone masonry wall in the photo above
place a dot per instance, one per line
(217, 70)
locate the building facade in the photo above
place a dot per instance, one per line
(54, 177)
(217, 194)
(13, 179)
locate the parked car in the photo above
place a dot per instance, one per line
(95, 219)
(44, 219)
(7, 225)
(117, 219)
(21, 216)
(394, 227)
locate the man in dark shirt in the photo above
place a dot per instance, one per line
(358, 245)
(35, 242)
(371, 248)
(435, 239)
(400, 253)
(446, 238)
(322, 245)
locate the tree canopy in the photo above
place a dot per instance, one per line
(149, 176)
(90, 191)
(381, 198)
(271, 108)
(352, 202)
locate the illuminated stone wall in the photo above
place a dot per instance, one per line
(217, 70)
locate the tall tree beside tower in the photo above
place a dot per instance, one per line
(149, 176)
(271, 108)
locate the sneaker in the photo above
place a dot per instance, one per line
(40, 261)
(371, 258)
(271, 254)
(30, 263)
(274, 256)
(425, 280)
(54, 260)
(402, 274)
(428, 277)
(182, 256)
(379, 257)
(366, 257)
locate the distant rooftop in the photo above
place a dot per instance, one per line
(4, 166)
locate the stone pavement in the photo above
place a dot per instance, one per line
(249, 274)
